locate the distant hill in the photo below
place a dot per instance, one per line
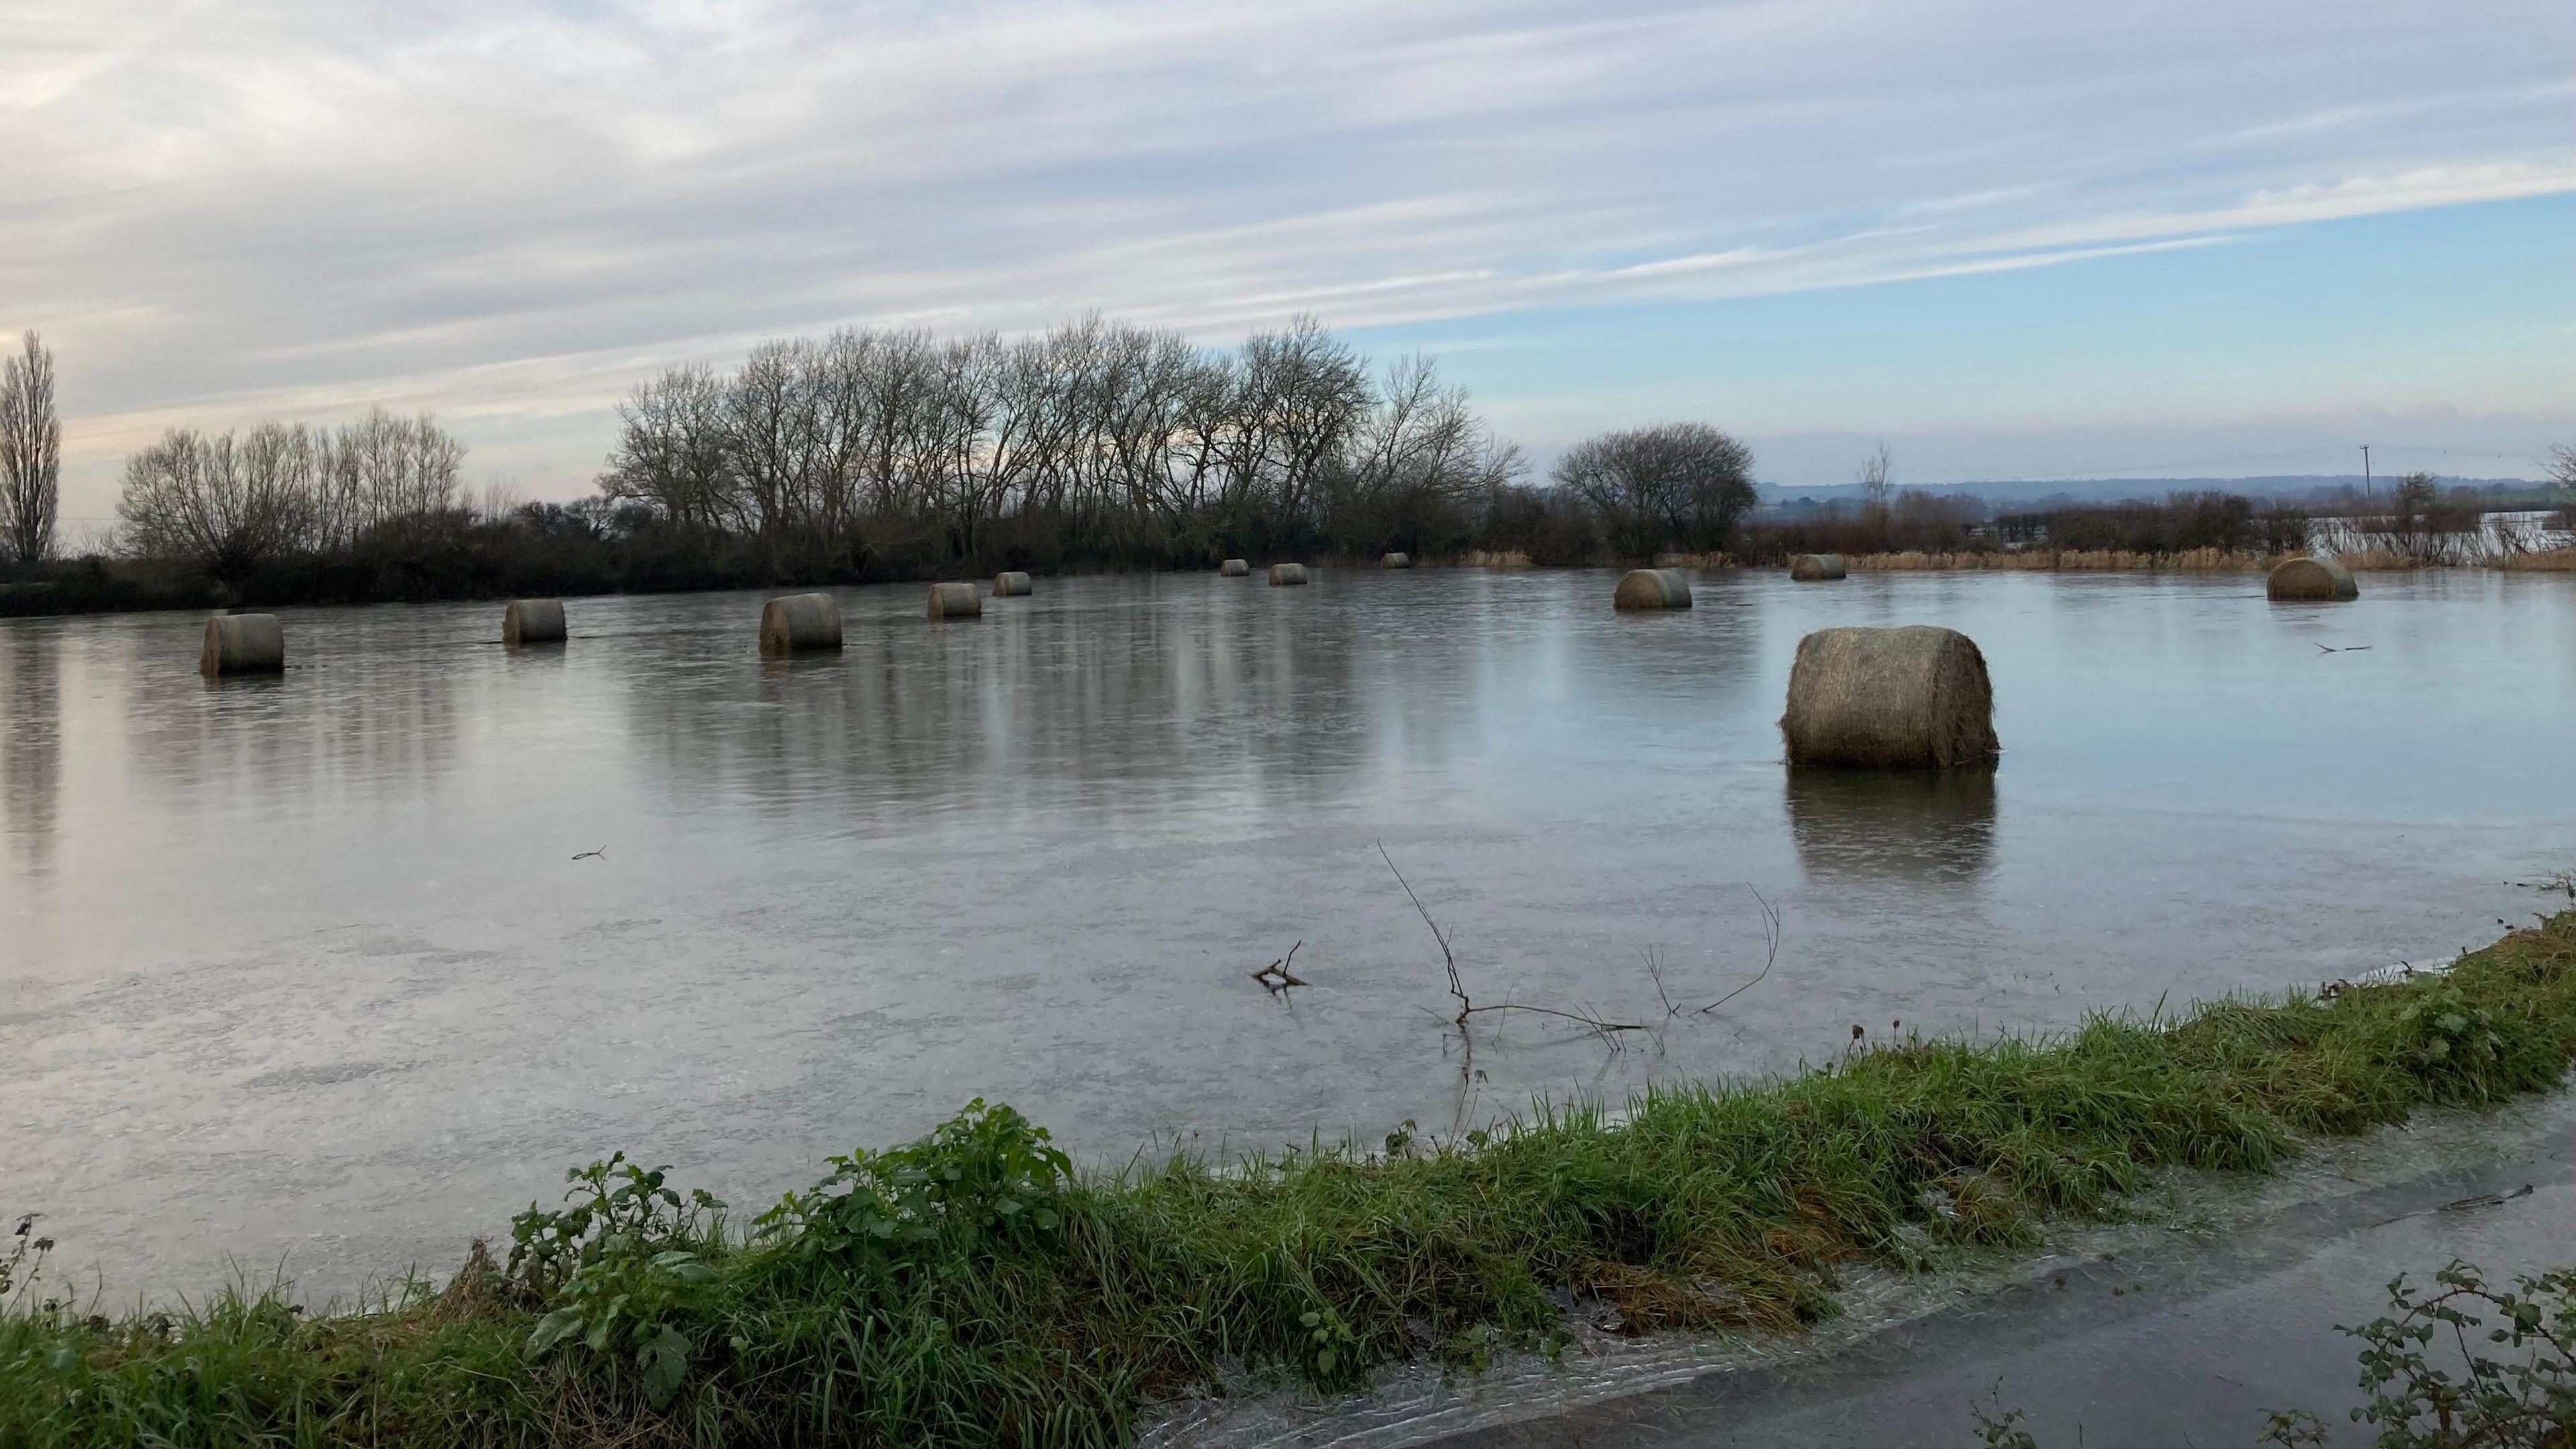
(2112, 490)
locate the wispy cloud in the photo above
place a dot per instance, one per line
(507, 209)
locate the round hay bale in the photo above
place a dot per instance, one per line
(242, 644)
(2310, 579)
(1815, 568)
(1910, 698)
(1652, 589)
(955, 601)
(794, 623)
(1234, 568)
(1285, 575)
(1010, 585)
(1396, 561)
(532, 621)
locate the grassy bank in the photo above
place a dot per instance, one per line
(971, 1288)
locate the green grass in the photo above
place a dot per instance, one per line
(970, 1288)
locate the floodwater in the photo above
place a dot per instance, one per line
(304, 971)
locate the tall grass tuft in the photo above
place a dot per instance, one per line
(972, 1288)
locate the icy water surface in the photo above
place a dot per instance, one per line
(305, 970)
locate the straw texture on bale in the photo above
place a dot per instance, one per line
(533, 621)
(1282, 575)
(2311, 578)
(1010, 585)
(1234, 568)
(1910, 698)
(1396, 561)
(242, 644)
(1808, 568)
(793, 623)
(1652, 589)
(955, 601)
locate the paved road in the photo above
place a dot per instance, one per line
(2182, 1344)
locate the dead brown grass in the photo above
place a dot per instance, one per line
(2547, 560)
(2054, 560)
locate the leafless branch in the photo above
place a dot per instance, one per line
(1770, 954)
(1655, 969)
(1276, 976)
(1458, 986)
(1594, 1022)
(1448, 958)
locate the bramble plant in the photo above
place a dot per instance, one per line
(2526, 1400)
(26, 1259)
(616, 1268)
(2449, 1032)
(986, 1174)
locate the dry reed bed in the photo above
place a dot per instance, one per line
(971, 1288)
(2545, 560)
(2048, 560)
(2043, 560)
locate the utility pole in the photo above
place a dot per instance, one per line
(2365, 472)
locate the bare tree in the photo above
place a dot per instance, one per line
(672, 450)
(228, 506)
(1419, 461)
(772, 427)
(31, 452)
(1877, 487)
(1683, 485)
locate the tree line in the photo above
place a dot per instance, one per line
(233, 502)
(1095, 442)
(876, 453)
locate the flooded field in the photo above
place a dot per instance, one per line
(306, 971)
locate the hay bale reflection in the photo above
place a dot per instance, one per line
(1904, 826)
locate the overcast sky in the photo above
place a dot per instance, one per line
(2013, 238)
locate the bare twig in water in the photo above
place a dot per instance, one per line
(599, 854)
(1458, 986)
(1655, 969)
(1449, 959)
(2346, 649)
(1594, 1022)
(1276, 976)
(2564, 880)
(1770, 954)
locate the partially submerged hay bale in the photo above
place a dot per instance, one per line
(1396, 561)
(793, 623)
(1910, 698)
(532, 621)
(955, 601)
(242, 644)
(1010, 585)
(1284, 575)
(1814, 568)
(1652, 589)
(2311, 578)
(1234, 568)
